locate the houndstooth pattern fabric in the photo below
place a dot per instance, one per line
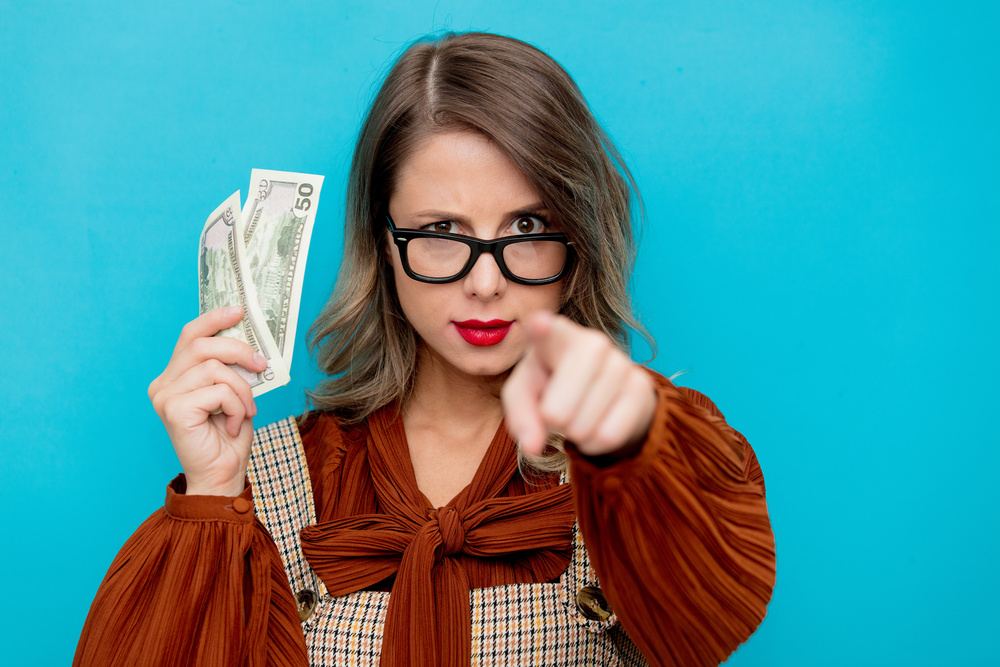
(282, 497)
(520, 624)
(346, 630)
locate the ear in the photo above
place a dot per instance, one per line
(388, 247)
(385, 236)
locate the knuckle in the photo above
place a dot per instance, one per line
(606, 440)
(638, 379)
(576, 433)
(215, 367)
(619, 364)
(200, 347)
(554, 417)
(188, 331)
(596, 344)
(168, 407)
(233, 404)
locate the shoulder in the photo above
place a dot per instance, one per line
(751, 466)
(668, 390)
(320, 436)
(701, 400)
(325, 438)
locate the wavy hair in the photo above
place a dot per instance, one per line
(527, 105)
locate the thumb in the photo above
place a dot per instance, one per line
(540, 324)
(550, 336)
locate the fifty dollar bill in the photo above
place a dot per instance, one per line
(278, 222)
(223, 280)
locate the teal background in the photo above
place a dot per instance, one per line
(821, 185)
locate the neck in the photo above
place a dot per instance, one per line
(443, 396)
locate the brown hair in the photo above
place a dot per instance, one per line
(525, 103)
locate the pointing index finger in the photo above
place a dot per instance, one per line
(521, 396)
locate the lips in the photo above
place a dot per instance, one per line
(483, 334)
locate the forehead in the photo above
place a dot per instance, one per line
(460, 172)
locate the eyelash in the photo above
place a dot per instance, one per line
(534, 216)
(428, 227)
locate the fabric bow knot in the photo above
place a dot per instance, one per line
(449, 525)
(428, 620)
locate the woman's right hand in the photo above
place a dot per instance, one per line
(213, 449)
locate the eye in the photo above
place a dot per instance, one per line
(441, 227)
(529, 224)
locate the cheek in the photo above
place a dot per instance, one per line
(554, 296)
(418, 301)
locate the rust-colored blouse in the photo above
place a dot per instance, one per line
(678, 534)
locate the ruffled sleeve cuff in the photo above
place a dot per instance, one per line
(199, 583)
(234, 509)
(672, 404)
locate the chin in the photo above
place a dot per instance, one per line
(488, 369)
(490, 361)
(481, 362)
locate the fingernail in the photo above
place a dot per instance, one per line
(232, 310)
(259, 359)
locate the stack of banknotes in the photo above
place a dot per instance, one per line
(255, 256)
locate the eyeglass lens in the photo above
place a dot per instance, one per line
(530, 260)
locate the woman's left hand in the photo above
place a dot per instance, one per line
(575, 382)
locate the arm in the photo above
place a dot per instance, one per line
(679, 533)
(669, 499)
(199, 583)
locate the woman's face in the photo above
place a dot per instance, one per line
(461, 183)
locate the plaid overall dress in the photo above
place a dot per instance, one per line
(564, 623)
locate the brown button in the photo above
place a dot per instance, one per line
(306, 601)
(591, 603)
(612, 484)
(242, 505)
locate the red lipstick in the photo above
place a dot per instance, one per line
(482, 334)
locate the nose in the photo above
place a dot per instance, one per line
(485, 281)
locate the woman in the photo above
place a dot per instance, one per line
(481, 309)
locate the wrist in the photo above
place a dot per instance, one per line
(229, 489)
(627, 451)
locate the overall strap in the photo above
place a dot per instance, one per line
(580, 582)
(585, 603)
(283, 501)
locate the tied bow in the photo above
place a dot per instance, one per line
(428, 621)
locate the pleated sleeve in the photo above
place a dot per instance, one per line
(199, 583)
(679, 533)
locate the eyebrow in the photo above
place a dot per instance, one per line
(531, 209)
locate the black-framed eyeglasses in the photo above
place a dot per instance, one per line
(528, 259)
